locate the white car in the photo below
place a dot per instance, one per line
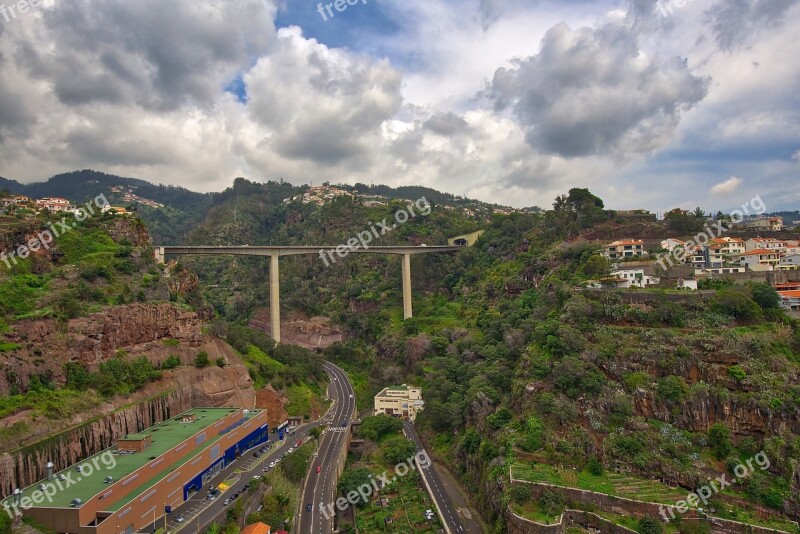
(291, 449)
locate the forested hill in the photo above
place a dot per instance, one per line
(524, 370)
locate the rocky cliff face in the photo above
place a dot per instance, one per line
(46, 345)
(316, 332)
(67, 442)
(156, 331)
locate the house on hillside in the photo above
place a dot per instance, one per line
(625, 248)
(671, 244)
(789, 262)
(634, 278)
(768, 243)
(790, 300)
(687, 283)
(728, 246)
(759, 259)
(53, 204)
(774, 224)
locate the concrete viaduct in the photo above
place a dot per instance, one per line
(274, 253)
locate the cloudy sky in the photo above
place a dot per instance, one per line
(688, 103)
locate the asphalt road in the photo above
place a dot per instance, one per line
(200, 513)
(320, 488)
(440, 496)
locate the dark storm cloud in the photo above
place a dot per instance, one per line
(736, 22)
(593, 92)
(157, 54)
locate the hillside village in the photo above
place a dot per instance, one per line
(678, 263)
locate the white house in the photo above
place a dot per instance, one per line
(687, 283)
(671, 244)
(53, 204)
(634, 278)
(760, 259)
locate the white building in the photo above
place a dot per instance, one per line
(687, 283)
(399, 401)
(53, 204)
(671, 244)
(760, 259)
(634, 278)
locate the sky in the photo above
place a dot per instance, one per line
(680, 103)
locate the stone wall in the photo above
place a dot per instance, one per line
(623, 506)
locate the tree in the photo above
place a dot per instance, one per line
(765, 296)
(397, 450)
(736, 302)
(202, 360)
(520, 494)
(719, 438)
(649, 525)
(352, 479)
(376, 427)
(596, 265)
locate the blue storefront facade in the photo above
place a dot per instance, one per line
(254, 439)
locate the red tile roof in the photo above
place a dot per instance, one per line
(256, 528)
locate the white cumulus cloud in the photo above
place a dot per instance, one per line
(727, 187)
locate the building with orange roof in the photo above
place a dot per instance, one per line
(790, 300)
(769, 243)
(257, 528)
(760, 259)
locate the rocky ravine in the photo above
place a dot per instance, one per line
(32, 439)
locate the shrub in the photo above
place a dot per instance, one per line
(672, 389)
(594, 467)
(202, 360)
(520, 494)
(171, 362)
(220, 362)
(649, 525)
(719, 438)
(737, 373)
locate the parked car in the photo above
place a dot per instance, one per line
(319, 469)
(226, 502)
(299, 442)
(291, 450)
(256, 455)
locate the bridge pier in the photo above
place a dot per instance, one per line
(275, 297)
(408, 311)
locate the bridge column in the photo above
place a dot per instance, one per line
(408, 311)
(275, 297)
(159, 254)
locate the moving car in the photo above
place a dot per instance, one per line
(319, 469)
(179, 518)
(308, 508)
(226, 502)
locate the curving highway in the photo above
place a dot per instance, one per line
(320, 488)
